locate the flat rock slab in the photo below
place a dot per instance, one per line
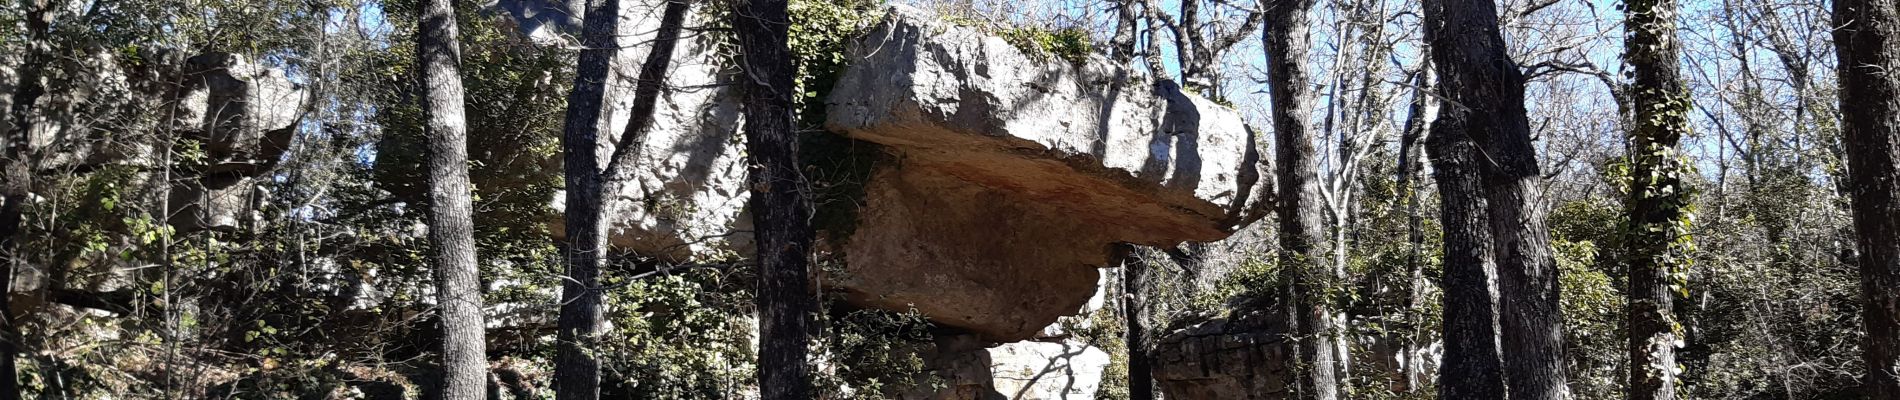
(1013, 172)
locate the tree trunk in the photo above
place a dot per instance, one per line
(1140, 369)
(1477, 74)
(1868, 46)
(1189, 53)
(646, 96)
(1472, 365)
(1415, 236)
(451, 226)
(1151, 54)
(1121, 46)
(1657, 240)
(17, 185)
(780, 211)
(1302, 234)
(577, 371)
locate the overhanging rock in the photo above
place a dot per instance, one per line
(1013, 173)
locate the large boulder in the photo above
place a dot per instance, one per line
(1005, 177)
(242, 115)
(109, 115)
(230, 117)
(1012, 173)
(1048, 370)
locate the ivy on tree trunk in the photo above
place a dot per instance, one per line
(1656, 242)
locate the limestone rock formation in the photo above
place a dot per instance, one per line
(1048, 370)
(242, 114)
(966, 367)
(686, 198)
(228, 118)
(1011, 173)
(1240, 356)
(231, 116)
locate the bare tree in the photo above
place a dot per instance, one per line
(1408, 167)
(1302, 232)
(451, 224)
(1121, 46)
(1656, 241)
(1484, 91)
(780, 208)
(589, 182)
(1201, 35)
(1868, 47)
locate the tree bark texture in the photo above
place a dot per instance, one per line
(1472, 365)
(1656, 243)
(1302, 232)
(576, 368)
(451, 224)
(1868, 47)
(1484, 91)
(780, 211)
(1121, 46)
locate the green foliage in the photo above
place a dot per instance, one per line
(821, 35)
(1594, 317)
(1583, 237)
(1107, 329)
(1068, 44)
(679, 336)
(820, 38)
(1256, 280)
(1775, 309)
(873, 354)
(1072, 44)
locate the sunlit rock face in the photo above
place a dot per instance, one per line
(1010, 174)
(1048, 370)
(230, 119)
(1027, 370)
(685, 199)
(241, 114)
(1004, 177)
